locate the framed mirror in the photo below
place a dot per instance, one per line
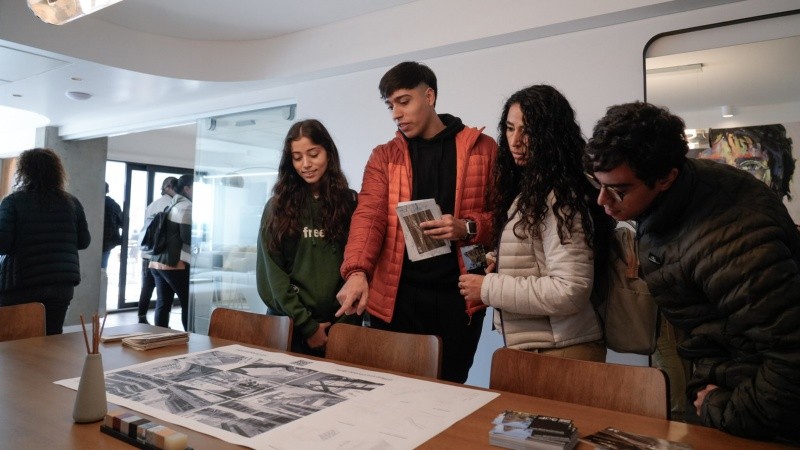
(736, 86)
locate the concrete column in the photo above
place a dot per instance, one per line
(85, 163)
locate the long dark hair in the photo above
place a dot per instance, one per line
(291, 193)
(40, 172)
(553, 165)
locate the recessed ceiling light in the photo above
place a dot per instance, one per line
(76, 95)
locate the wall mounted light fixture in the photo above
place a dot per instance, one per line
(685, 68)
(59, 12)
(727, 111)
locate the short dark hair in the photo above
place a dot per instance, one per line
(648, 138)
(169, 182)
(407, 75)
(184, 181)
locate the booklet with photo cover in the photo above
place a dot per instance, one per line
(150, 341)
(521, 430)
(614, 439)
(418, 245)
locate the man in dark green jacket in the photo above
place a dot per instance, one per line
(721, 256)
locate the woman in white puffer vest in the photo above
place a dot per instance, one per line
(544, 226)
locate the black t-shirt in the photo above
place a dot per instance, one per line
(433, 168)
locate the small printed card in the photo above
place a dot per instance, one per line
(474, 259)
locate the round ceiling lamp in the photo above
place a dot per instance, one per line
(77, 95)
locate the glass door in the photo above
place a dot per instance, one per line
(137, 185)
(236, 166)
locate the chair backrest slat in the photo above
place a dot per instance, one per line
(251, 328)
(22, 321)
(632, 389)
(415, 354)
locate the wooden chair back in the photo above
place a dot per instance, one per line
(22, 321)
(631, 389)
(415, 354)
(251, 328)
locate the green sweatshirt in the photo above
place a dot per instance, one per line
(302, 280)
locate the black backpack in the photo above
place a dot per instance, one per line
(155, 235)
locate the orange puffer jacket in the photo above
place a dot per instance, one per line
(376, 242)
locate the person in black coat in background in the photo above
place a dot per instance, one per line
(42, 227)
(112, 226)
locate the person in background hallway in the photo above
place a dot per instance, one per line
(170, 268)
(547, 228)
(303, 231)
(431, 156)
(112, 228)
(41, 211)
(721, 256)
(168, 187)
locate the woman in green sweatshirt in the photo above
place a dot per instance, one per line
(303, 231)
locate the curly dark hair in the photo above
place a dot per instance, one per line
(40, 172)
(555, 146)
(648, 138)
(291, 192)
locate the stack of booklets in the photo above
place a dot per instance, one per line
(521, 431)
(150, 341)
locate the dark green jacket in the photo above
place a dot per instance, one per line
(721, 255)
(302, 280)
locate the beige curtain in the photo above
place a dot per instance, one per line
(9, 166)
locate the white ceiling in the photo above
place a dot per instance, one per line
(235, 20)
(106, 54)
(36, 80)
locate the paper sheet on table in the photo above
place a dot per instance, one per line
(263, 399)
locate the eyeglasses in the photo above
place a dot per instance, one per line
(615, 193)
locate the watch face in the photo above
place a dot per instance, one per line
(471, 227)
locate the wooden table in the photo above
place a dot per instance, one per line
(35, 413)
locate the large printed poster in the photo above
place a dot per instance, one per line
(263, 399)
(765, 151)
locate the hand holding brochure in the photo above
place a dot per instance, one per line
(418, 245)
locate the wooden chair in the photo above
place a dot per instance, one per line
(414, 354)
(22, 321)
(252, 328)
(630, 389)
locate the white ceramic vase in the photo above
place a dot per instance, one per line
(90, 403)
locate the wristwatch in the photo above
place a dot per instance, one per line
(472, 229)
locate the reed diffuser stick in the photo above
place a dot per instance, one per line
(103, 327)
(85, 338)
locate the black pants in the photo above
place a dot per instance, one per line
(440, 311)
(148, 285)
(169, 283)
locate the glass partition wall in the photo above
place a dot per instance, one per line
(235, 168)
